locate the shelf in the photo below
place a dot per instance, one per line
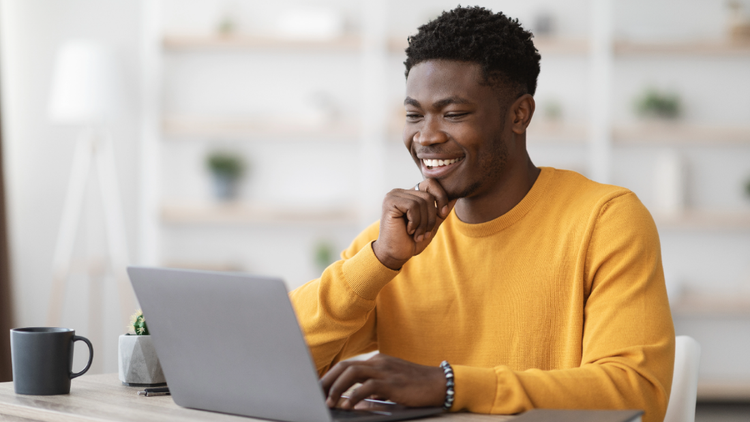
(178, 42)
(248, 214)
(694, 304)
(723, 390)
(193, 127)
(704, 48)
(645, 134)
(545, 45)
(678, 133)
(542, 132)
(701, 220)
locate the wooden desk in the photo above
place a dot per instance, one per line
(104, 398)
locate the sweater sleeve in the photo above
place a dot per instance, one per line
(628, 335)
(337, 311)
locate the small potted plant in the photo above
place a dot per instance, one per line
(659, 105)
(138, 364)
(226, 170)
(325, 254)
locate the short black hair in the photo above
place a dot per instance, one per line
(496, 42)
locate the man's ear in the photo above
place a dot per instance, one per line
(521, 111)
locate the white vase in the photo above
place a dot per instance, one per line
(138, 364)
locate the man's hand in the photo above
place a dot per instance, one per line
(409, 221)
(385, 377)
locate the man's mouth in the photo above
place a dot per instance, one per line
(433, 163)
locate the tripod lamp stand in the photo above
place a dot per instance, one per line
(86, 92)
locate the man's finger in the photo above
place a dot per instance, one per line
(434, 188)
(327, 380)
(359, 372)
(425, 208)
(426, 203)
(417, 207)
(368, 388)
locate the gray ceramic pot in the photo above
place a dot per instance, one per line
(225, 187)
(138, 364)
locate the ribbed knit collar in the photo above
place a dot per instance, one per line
(511, 217)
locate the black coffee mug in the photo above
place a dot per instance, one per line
(43, 359)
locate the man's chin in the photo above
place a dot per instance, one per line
(455, 192)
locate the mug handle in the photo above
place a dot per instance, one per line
(91, 356)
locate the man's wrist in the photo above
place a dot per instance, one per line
(386, 260)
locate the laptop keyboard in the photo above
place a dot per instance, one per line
(339, 414)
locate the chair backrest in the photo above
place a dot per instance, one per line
(687, 356)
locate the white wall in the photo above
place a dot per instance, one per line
(39, 156)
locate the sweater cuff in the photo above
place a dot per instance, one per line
(365, 273)
(475, 389)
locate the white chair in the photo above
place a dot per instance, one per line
(687, 356)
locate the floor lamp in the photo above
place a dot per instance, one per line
(86, 92)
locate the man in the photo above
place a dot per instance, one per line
(538, 287)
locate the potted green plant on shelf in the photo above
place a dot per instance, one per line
(226, 170)
(138, 364)
(325, 254)
(657, 104)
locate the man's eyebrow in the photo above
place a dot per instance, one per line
(438, 104)
(412, 102)
(450, 100)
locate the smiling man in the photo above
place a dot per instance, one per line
(493, 286)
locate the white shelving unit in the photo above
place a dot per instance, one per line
(600, 143)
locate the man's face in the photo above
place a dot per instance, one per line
(455, 127)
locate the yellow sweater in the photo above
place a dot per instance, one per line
(559, 303)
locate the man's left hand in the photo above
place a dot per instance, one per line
(385, 377)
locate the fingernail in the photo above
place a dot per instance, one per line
(428, 235)
(419, 238)
(444, 211)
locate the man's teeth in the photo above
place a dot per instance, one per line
(439, 163)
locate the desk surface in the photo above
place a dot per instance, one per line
(104, 398)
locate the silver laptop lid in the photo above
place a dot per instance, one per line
(230, 343)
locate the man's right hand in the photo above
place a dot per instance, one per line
(409, 222)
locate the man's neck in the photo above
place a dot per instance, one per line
(511, 189)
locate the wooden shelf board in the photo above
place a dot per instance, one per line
(709, 48)
(254, 128)
(678, 133)
(704, 220)
(545, 45)
(243, 213)
(552, 133)
(691, 304)
(253, 42)
(720, 390)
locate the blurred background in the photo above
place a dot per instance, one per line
(261, 137)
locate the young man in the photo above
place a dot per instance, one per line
(538, 287)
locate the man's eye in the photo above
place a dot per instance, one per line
(413, 116)
(455, 115)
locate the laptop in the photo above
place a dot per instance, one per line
(230, 343)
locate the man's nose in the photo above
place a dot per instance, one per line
(430, 133)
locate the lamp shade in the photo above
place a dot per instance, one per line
(86, 86)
